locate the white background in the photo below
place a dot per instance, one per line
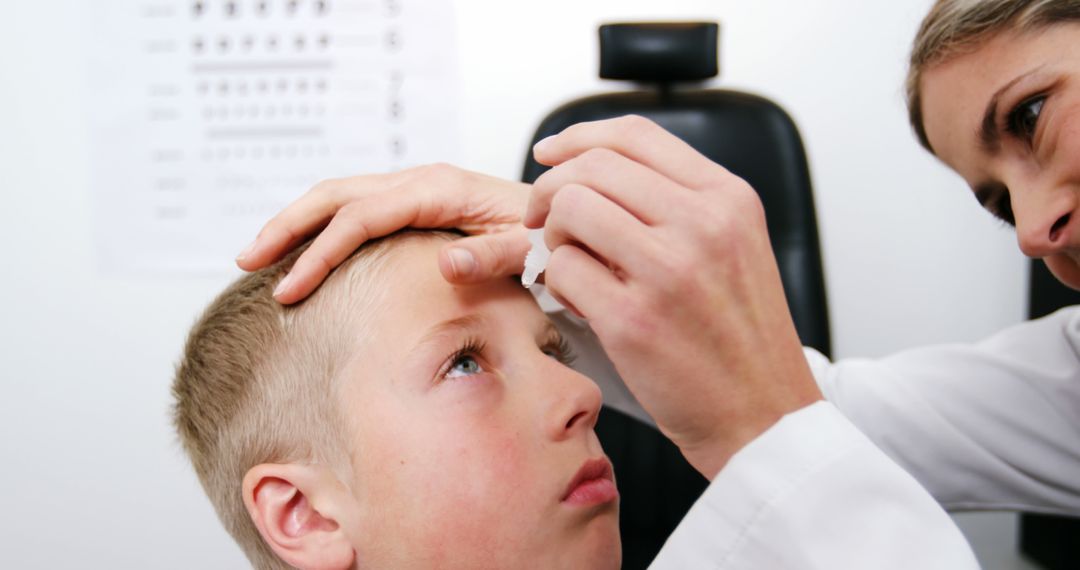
(89, 470)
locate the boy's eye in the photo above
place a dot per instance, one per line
(465, 365)
(559, 349)
(1024, 119)
(558, 354)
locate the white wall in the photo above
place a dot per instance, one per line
(91, 475)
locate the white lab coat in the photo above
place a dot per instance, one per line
(994, 425)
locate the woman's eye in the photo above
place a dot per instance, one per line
(464, 366)
(1024, 119)
(1003, 210)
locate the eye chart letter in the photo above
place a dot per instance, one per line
(209, 116)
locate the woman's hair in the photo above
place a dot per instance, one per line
(954, 27)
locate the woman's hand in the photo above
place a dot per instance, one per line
(357, 209)
(667, 255)
(665, 252)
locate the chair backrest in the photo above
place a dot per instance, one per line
(755, 139)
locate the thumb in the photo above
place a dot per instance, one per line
(484, 257)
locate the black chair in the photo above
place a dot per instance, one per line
(755, 139)
(1052, 541)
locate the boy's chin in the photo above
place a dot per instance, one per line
(603, 544)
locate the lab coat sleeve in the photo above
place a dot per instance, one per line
(813, 492)
(991, 425)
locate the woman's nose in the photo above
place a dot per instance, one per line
(576, 406)
(1045, 221)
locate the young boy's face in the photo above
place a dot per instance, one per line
(473, 444)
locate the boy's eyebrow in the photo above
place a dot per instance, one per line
(471, 323)
(550, 330)
(466, 323)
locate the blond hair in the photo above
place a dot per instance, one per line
(257, 381)
(955, 27)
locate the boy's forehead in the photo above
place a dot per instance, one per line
(417, 295)
(419, 315)
(413, 275)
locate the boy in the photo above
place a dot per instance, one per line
(395, 420)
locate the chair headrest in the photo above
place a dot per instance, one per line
(659, 52)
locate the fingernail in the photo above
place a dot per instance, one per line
(283, 286)
(247, 251)
(461, 261)
(543, 144)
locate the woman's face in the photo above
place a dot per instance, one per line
(1006, 117)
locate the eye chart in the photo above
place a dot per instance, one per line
(209, 116)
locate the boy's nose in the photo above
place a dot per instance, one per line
(1045, 221)
(576, 407)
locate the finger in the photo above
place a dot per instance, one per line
(582, 283)
(640, 190)
(286, 230)
(484, 257)
(354, 224)
(303, 217)
(638, 139)
(443, 196)
(583, 217)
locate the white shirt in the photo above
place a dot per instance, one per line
(994, 425)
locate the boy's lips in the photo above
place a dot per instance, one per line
(593, 484)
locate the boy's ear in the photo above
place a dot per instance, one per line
(284, 502)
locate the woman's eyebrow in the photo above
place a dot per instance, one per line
(988, 130)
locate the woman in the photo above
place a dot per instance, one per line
(994, 92)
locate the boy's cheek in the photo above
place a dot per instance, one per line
(453, 476)
(488, 464)
(457, 399)
(457, 446)
(468, 484)
(450, 447)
